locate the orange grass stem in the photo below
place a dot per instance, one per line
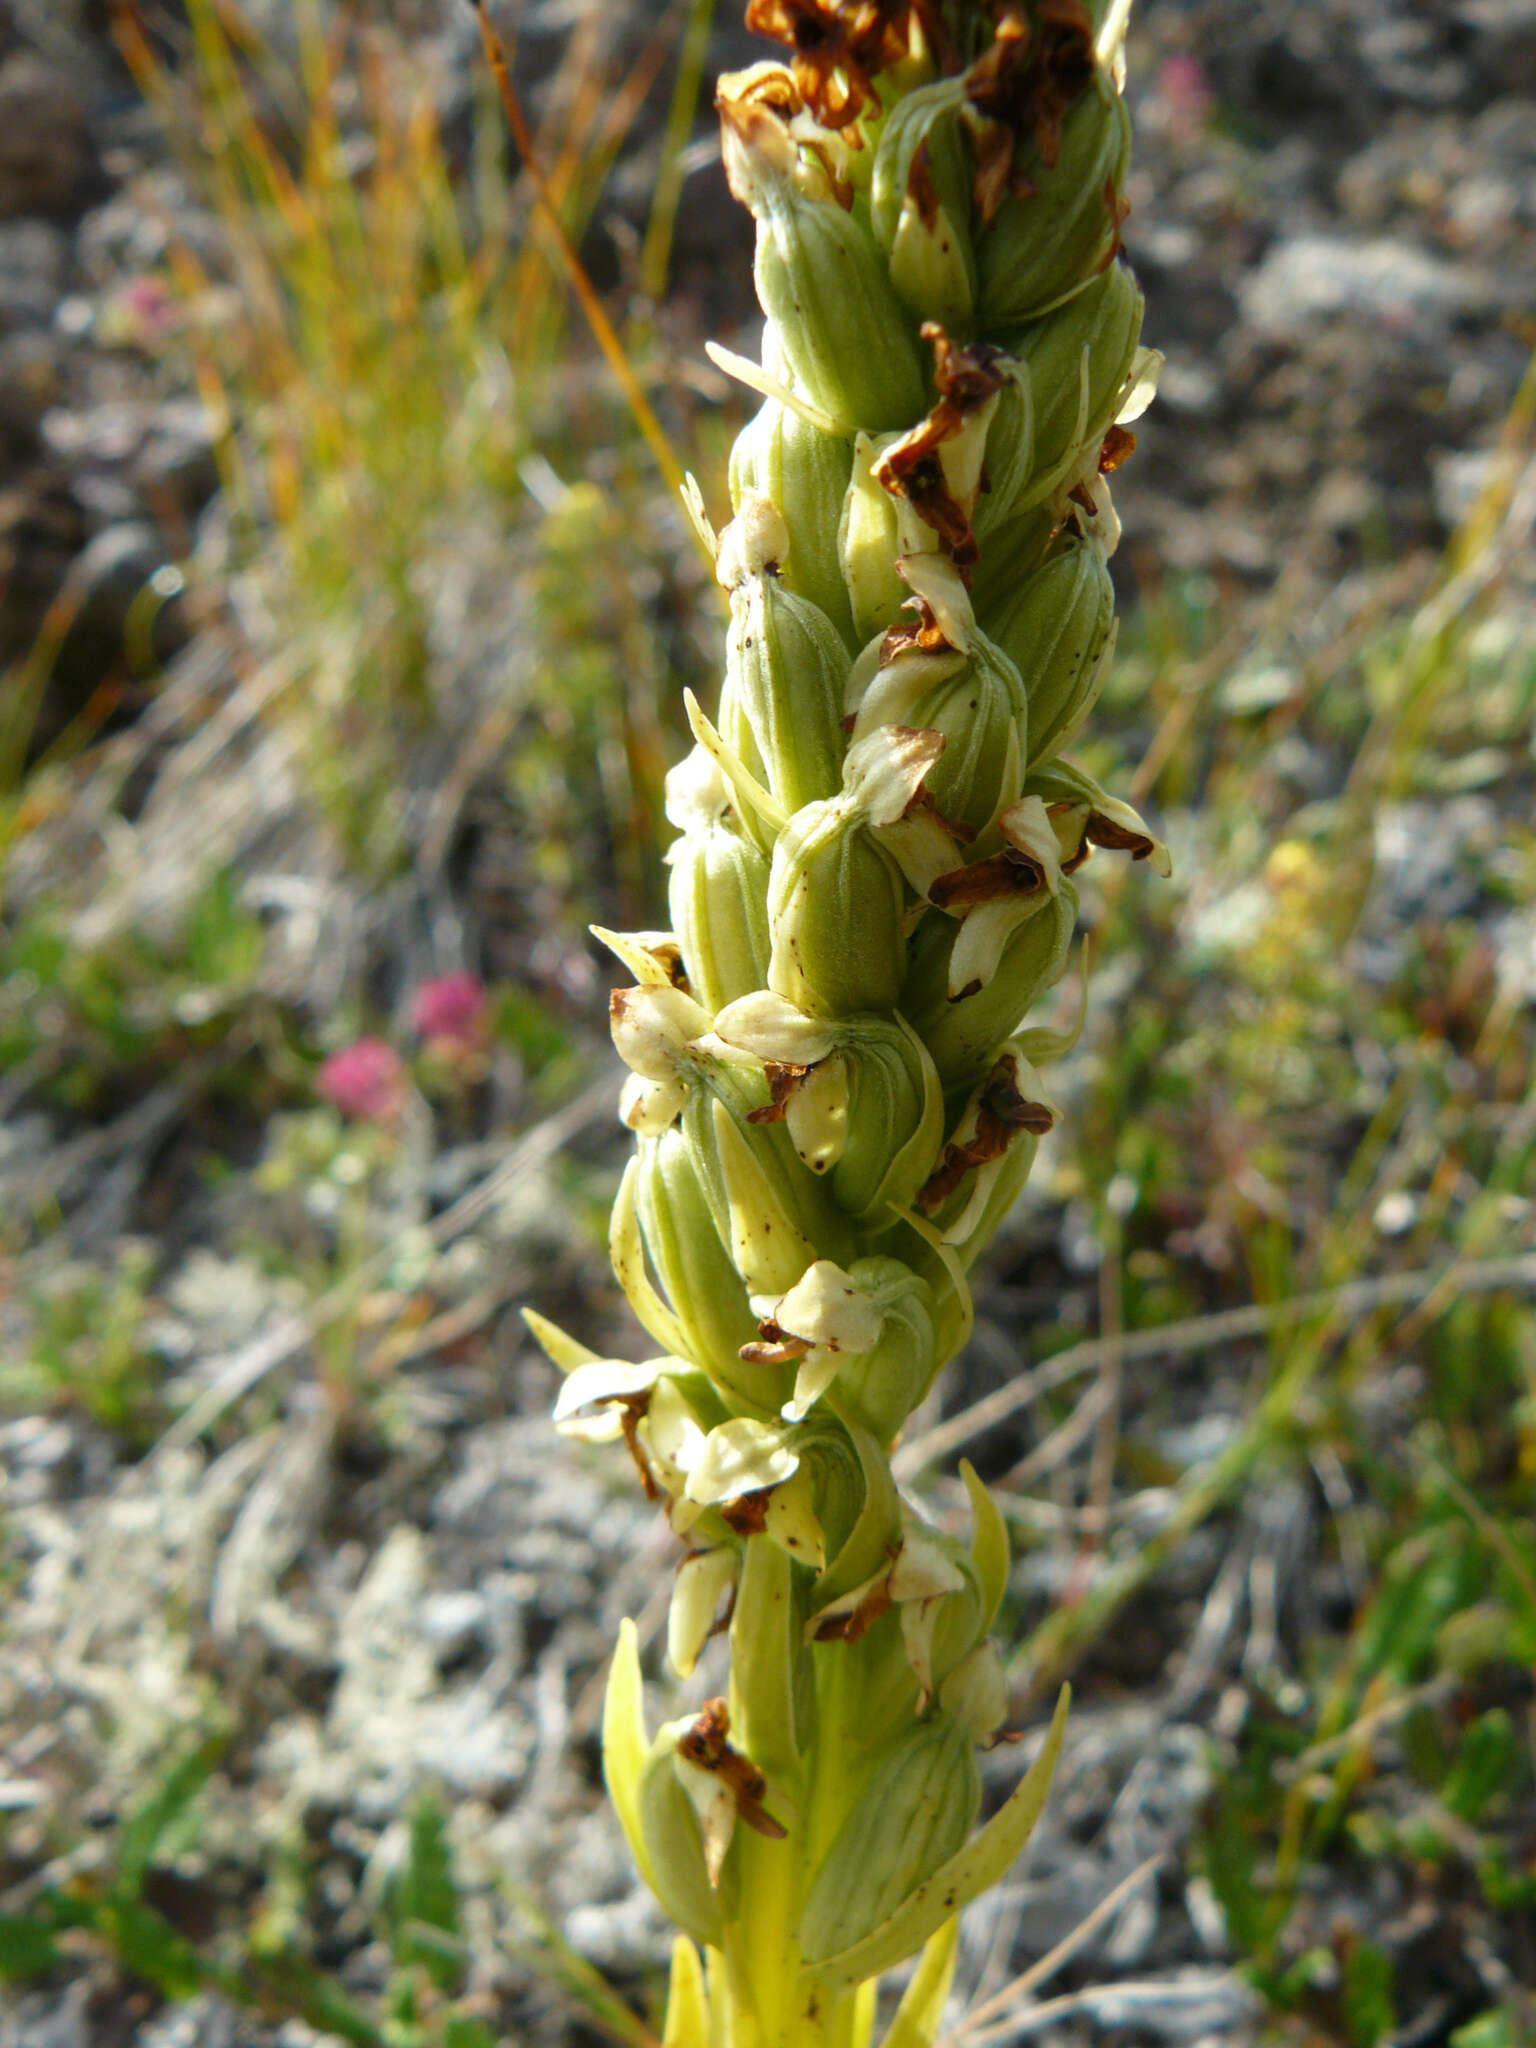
(602, 327)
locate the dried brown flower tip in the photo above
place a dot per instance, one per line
(839, 46)
(1022, 87)
(965, 377)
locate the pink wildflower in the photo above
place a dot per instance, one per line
(365, 1079)
(451, 1012)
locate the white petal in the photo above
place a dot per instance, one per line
(818, 1369)
(651, 1027)
(702, 1580)
(771, 1028)
(826, 1306)
(885, 770)
(940, 585)
(740, 1456)
(1027, 828)
(606, 1379)
(651, 1107)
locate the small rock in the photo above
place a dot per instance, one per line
(34, 263)
(1311, 279)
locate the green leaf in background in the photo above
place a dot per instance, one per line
(1369, 2011)
(1487, 1764)
(424, 1900)
(145, 1831)
(27, 1947)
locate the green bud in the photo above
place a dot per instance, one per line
(1010, 551)
(912, 1816)
(1038, 249)
(880, 1387)
(976, 1692)
(674, 1845)
(977, 701)
(873, 531)
(782, 705)
(895, 1120)
(835, 904)
(963, 1034)
(920, 204)
(856, 1503)
(820, 277)
(805, 472)
(1060, 629)
(718, 886)
(697, 1275)
(1078, 361)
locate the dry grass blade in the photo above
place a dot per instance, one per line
(976, 2026)
(1354, 1298)
(603, 330)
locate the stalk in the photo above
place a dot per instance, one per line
(835, 1087)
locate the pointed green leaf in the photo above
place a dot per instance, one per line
(557, 1347)
(989, 1545)
(624, 1741)
(145, 1829)
(687, 2006)
(970, 1871)
(922, 2003)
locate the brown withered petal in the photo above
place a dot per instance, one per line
(1026, 82)
(747, 1514)
(839, 45)
(922, 631)
(1102, 831)
(1001, 1114)
(774, 1346)
(1119, 445)
(631, 1409)
(965, 377)
(783, 1079)
(1003, 1097)
(987, 881)
(847, 1628)
(704, 1744)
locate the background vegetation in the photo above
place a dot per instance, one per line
(302, 1062)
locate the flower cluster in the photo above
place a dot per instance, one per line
(835, 1090)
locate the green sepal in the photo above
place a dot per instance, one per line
(805, 472)
(717, 897)
(1040, 249)
(925, 226)
(879, 1389)
(698, 1278)
(981, 709)
(990, 1549)
(674, 1848)
(975, 1868)
(835, 906)
(963, 1035)
(838, 321)
(895, 1120)
(782, 706)
(911, 1818)
(873, 1532)
(765, 1653)
(1059, 630)
(625, 1742)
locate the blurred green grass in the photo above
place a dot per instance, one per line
(1302, 1084)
